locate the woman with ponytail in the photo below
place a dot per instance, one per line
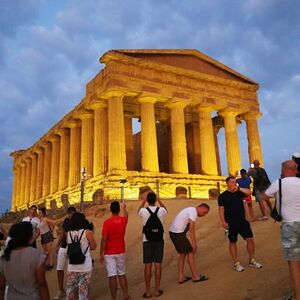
(22, 268)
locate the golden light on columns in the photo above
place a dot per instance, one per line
(47, 168)
(116, 131)
(179, 150)
(54, 178)
(28, 180)
(33, 183)
(64, 157)
(148, 134)
(40, 172)
(100, 136)
(254, 144)
(232, 141)
(207, 143)
(74, 156)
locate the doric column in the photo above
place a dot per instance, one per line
(33, 181)
(75, 146)
(129, 142)
(15, 196)
(216, 130)
(179, 152)
(254, 145)
(64, 157)
(148, 135)
(87, 141)
(232, 142)
(47, 169)
(40, 172)
(207, 143)
(116, 132)
(23, 184)
(54, 163)
(28, 180)
(100, 137)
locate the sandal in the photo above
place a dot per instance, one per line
(184, 280)
(145, 296)
(202, 278)
(160, 292)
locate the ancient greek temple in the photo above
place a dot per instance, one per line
(182, 98)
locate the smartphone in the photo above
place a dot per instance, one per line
(251, 165)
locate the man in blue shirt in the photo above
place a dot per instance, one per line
(245, 182)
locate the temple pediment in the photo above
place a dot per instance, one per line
(192, 60)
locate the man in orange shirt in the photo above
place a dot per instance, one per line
(112, 250)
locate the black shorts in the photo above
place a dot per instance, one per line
(243, 228)
(153, 252)
(46, 238)
(181, 242)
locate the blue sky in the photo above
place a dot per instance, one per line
(49, 50)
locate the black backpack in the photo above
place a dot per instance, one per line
(76, 257)
(153, 228)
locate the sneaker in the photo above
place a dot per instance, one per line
(254, 264)
(238, 267)
(60, 295)
(263, 218)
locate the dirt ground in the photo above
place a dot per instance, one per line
(213, 260)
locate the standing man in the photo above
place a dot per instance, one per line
(245, 182)
(185, 222)
(153, 246)
(112, 250)
(290, 212)
(261, 182)
(232, 213)
(62, 257)
(35, 221)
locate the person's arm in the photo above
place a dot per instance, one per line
(42, 283)
(246, 208)
(246, 191)
(37, 234)
(125, 212)
(2, 286)
(192, 231)
(142, 204)
(222, 217)
(161, 204)
(90, 237)
(102, 248)
(51, 223)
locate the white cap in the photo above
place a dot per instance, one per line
(296, 154)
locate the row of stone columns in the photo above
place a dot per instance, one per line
(98, 140)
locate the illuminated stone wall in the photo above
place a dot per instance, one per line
(174, 94)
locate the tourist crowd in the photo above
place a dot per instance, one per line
(23, 265)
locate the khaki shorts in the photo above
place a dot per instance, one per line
(290, 237)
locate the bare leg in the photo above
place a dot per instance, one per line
(157, 277)
(147, 275)
(50, 254)
(124, 286)
(113, 286)
(294, 267)
(181, 259)
(233, 252)
(250, 248)
(60, 280)
(251, 211)
(262, 207)
(192, 265)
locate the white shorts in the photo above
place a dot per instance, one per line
(62, 259)
(115, 264)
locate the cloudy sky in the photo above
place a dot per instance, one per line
(49, 49)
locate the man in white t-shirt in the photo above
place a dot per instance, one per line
(152, 249)
(290, 212)
(35, 221)
(185, 222)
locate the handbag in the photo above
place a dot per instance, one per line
(275, 214)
